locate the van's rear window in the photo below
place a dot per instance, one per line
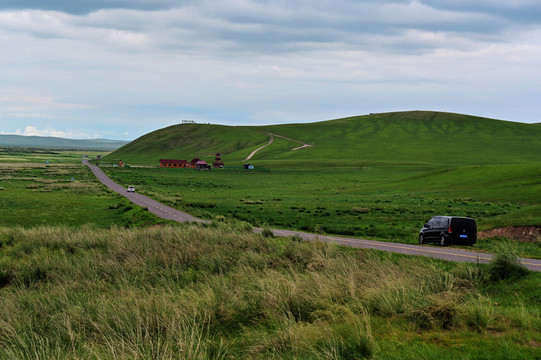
(465, 224)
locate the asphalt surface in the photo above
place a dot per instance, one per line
(158, 209)
(444, 253)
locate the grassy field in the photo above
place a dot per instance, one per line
(104, 279)
(376, 176)
(61, 193)
(377, 201)
(222, 292)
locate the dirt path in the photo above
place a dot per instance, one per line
(304, 145)
(450, 254)
(271, 135)
(259, 148)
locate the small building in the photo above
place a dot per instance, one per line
(192, 162)
(218, 163)
(171, 163)
(202, 165)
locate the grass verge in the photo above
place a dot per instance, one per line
(219, 291)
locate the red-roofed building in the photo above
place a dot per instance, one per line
(202, 165)
(194, 161)
(173, 163)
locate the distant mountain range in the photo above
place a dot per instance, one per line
(59, 143)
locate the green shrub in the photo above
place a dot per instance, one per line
(505, 264)
(478, 313)
(441, 312)
(267, 233)
(470, 275)
(351, 340)
(5, 277)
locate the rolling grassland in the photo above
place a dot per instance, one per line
(85, 275)
(376, 201)
(377, 176)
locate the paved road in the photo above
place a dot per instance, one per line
(450, 254)
(159, 209)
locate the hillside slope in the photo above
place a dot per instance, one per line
(186, 141)
(414, 136)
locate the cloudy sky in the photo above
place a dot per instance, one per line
(118, 69)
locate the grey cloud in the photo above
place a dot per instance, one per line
(86, 6)
(246, 27)
(518, 11)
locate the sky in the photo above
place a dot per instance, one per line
(118, 69)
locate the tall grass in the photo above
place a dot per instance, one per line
(505, 263)
(220, 291)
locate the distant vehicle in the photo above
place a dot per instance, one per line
(131, 189)
(446, 230)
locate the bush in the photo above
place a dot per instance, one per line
(478, 313)
(470, 275)
(267, 233)
(505, 264)
(352, 340)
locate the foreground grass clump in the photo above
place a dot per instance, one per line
(222, 292)
(505, 263)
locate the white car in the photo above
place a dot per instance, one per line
(131, 189)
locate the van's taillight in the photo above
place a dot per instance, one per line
(450, 230)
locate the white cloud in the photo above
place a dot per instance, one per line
(49, 131)
(19, 100)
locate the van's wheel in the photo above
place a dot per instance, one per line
(421, 239)
(443, 241)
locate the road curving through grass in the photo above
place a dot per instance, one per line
(443, 253)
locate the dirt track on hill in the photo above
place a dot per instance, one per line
(444, 253)
(259, 148)
(271, 135)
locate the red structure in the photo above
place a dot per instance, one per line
(202, 165)
(218, 163)
(193, 162)
(174, 163)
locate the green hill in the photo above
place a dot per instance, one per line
(403, 137)
(187, 141)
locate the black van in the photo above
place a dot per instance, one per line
(447, 230)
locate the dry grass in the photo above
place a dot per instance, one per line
(196, 292)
